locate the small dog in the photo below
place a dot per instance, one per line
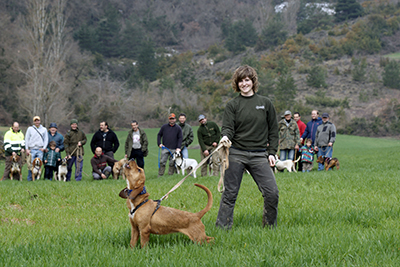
(328, 162)
(183, 164)
(286, 164)
(36, 169)
(148, 217)
(15, 168)
(61, 174)
(119, 168)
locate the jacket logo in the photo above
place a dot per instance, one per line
(260, 107)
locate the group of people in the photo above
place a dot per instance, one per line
(319, 132)
(249, 123)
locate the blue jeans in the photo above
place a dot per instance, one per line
(107, 169)
(78, 172)
(325, 151)
(287, 154)
(35, 153)
(185, 152)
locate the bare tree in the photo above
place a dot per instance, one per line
(42, 60)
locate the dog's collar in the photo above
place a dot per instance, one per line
(138, 206)
(141, 193)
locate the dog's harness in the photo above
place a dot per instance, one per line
(144, 202)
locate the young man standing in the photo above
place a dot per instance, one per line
(74, 141)
(187, 135)
(136, 144)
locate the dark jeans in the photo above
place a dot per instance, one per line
(78, 171)
(137, 154)
(111, 155)
(48, 171)
(258, 166)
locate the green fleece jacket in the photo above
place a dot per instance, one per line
(187, 134)
(71, 139)
(208, 134)
(251, 124)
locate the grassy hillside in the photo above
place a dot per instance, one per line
(337, 218)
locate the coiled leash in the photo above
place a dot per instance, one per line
(159, 149)
(224, 146)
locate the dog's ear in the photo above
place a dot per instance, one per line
(124, 193)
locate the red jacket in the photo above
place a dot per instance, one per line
(302, 128)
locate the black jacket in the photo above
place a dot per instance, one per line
(110, 143)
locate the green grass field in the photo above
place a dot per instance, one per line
(349, 217)
(393, 56)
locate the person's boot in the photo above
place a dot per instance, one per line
(171, 170)
(161, 171)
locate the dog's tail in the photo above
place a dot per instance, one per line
(297, 160)
(201, 213)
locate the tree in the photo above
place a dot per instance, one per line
(108, 33)
(239, 35)
(360, 69)
(42, 60)
(311, 16)
(273, 34)
(285, 91)
(317, 76)
(348, 9)
(391, 75)
(132, 40)
(147, 63)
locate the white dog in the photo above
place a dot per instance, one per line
(62, 171)
(183, 164)
(286, 164)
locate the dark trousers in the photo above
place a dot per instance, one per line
(111, 155)
(137, 154)
(258, 166)
(48, 171)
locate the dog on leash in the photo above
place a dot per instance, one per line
(183, 164)
(36, 169)
(328, 162)
(148, 217)
(62, 171)
(15, 168)
(285, 164)
(119, 168)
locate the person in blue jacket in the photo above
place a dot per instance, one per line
(311, 127)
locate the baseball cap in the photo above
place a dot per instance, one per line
(36, 118)
(53, 125)
(325, 115)
(171, 116)
(287, 112)
(201, 117)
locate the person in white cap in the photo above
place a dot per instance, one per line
(36, 141)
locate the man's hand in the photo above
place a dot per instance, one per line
(316, 148)
(178, 150)
(79, 143)
(28, 152)
(103, 176)
(296, 147)
(214, 144)
(330, 144)
(57, 149)
(271, 159)
(13, 153)
(42, 149)
(206, 153)
(161, 146)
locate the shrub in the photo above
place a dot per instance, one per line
(391, 75)
(317, 76)
(239, 35)
(272, 35)
(359, 70)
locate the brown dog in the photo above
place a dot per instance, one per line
(119, 168)
(328, 162)
(15, 167)
(148, 217)
(36, 169)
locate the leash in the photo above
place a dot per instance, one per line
(222, 145)
(159, 149)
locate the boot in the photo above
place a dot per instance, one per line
(171, 170)
(161, 171)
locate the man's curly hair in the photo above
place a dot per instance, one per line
(243, 72)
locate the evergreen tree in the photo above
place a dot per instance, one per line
(285, 91)
(273, 34)
(147, 63)
(360, 69)
(317, 76)
(239, 35)
(348, 9)
(311, 16)
(391, 75)
(86, 37)
(132, 40)
(108, 33)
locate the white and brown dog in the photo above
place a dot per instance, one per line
(15, 168)
(62, 171)
(183, 164)
(148, 217)
(36, 169)
(119, 168)
(285, 164)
